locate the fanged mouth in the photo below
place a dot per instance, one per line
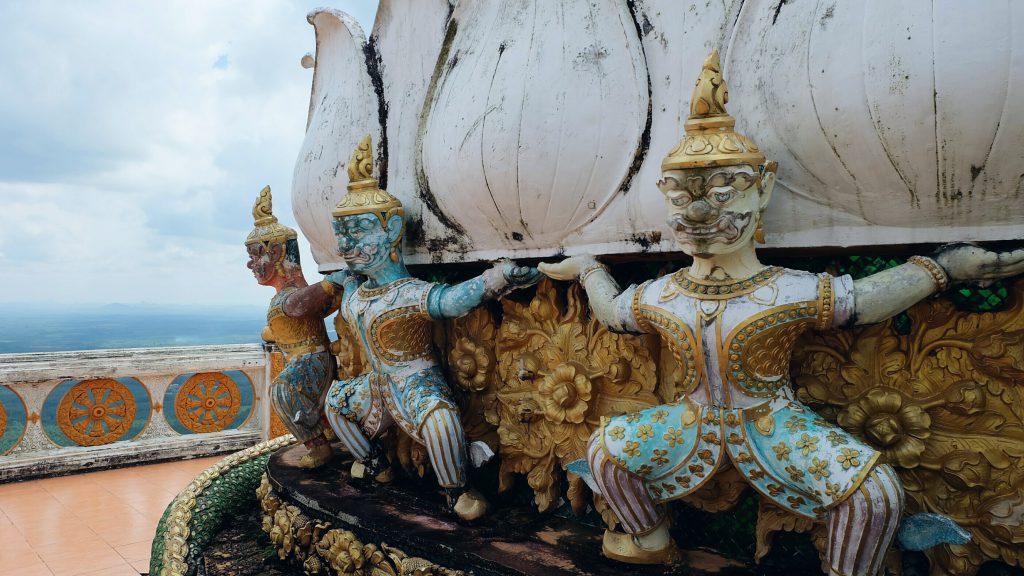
(727, 228)
(356, 257)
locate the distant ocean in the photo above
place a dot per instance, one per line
(63, 328)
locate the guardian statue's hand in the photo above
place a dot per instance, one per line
(966, 263)
(519, 276)
(568, 269)
(338, 278)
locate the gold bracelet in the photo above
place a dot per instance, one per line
(939, 275)
(587, 271)
(826, 302)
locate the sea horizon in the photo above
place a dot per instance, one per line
(62, 328)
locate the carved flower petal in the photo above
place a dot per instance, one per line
(916, 422)
(852, 417)
(884, 400)
(907, 453)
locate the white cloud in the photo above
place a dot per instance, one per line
(136, 136)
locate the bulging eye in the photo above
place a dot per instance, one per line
(722, 196)
(680, 201)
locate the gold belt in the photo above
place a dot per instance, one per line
(297, 349)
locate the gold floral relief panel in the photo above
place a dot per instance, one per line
(541, 381)
(945, 405)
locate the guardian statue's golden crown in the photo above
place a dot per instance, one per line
(365, 196)
(710, 139)
(267, 228)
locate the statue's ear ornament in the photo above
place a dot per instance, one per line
(710, 139)
(266, 227)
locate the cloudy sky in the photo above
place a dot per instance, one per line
(135, 137)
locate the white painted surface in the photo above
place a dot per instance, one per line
(119, 454)
(893, 123)
(881, 114)
(408, 35)
(665, 26)
(42, 366)
(342, 109)
(536, 119)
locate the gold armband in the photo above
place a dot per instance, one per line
(939, 275)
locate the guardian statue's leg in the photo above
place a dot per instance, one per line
(442, 433)
(645, 522)
(357, 419)
(350, 435)
(861, 528)
(295, 396)
(446, 446)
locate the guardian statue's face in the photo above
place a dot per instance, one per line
(714, 210)
(263, 260)
(362, 242)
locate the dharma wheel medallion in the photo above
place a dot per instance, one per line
(208, 402)
(96, 412)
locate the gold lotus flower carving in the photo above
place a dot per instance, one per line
(472, 362)
(564, 394)
(557, 373)
(945, 405)
(889, 421)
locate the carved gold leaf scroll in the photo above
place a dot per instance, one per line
(945, 405)
(558, 371)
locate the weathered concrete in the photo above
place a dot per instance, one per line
(92, 458)
(544, 123)
(68, 411)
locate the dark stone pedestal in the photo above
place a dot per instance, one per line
(511, 540)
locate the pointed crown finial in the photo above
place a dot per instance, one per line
(365, 196)
(266, 227)
(263, 209)
(710, 94)
(710, 139)
(360, 166)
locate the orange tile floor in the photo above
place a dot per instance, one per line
(98, 523)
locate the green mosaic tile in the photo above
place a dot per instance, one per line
(992, 298)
